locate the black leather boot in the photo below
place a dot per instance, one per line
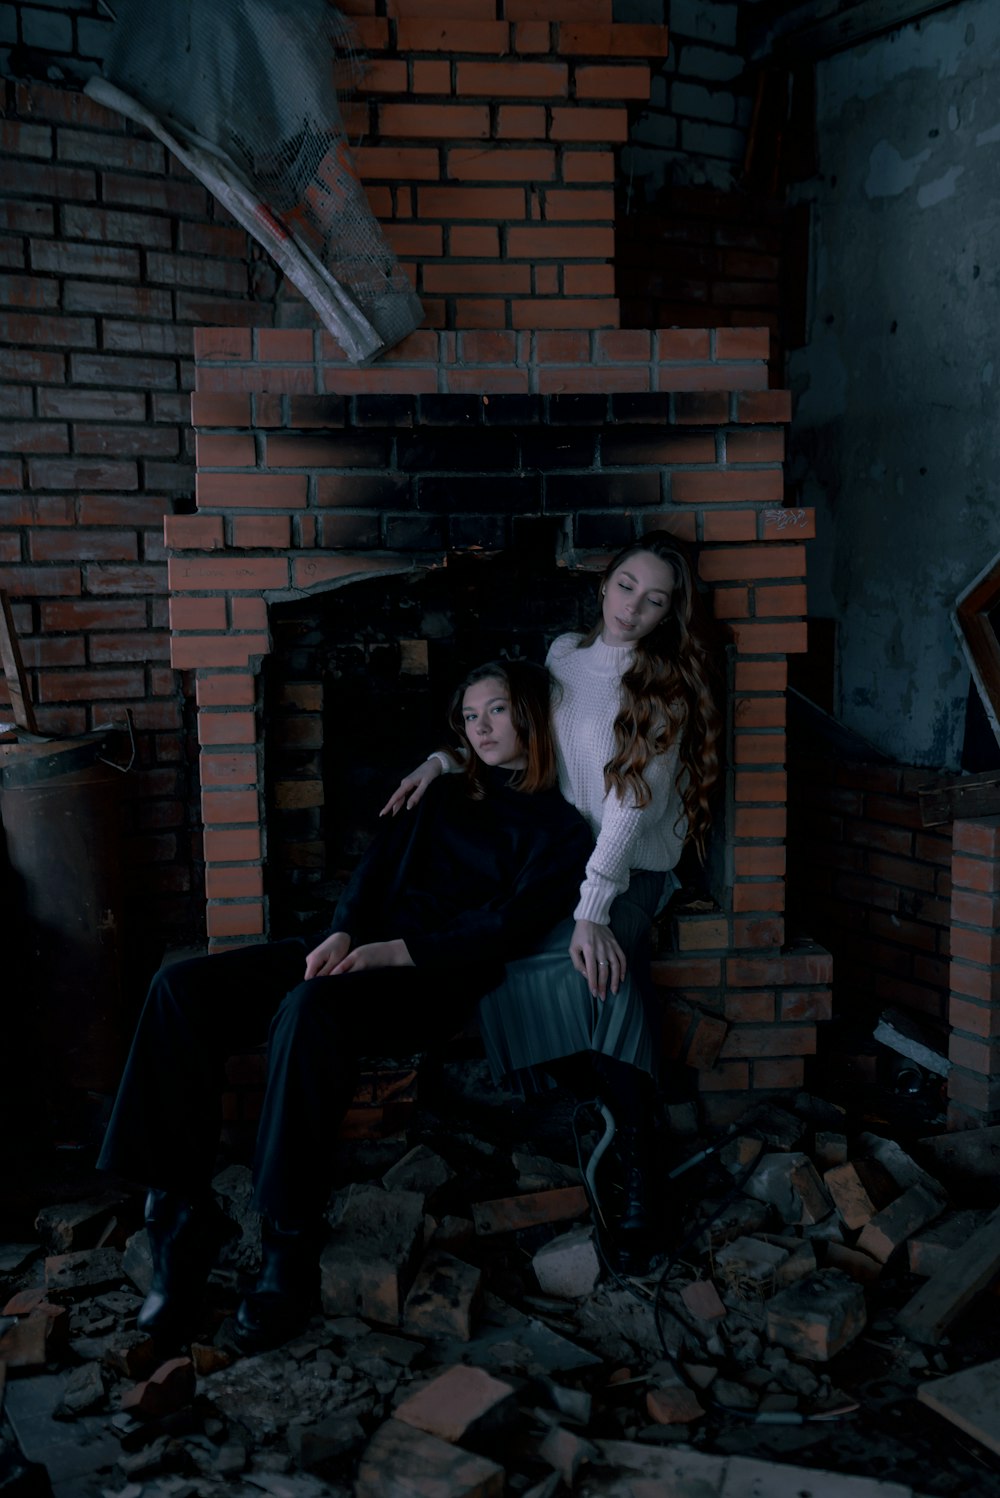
(633, 1245)
(287, 1289)
(183, 1241)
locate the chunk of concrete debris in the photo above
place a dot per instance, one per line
(461, 1404)
(830, 1150)
(233, 1188)
(572, 1404)
(170, 1388)
(28, 1345)
(930, 1249)
(890, 1228)
(901, 1167)
(539, 1173)
(445, 1298)
(84, 1392)
(850, 1197)
(858, 1265)
(370, 1262)
(702, 1300)
(964, 1156)
(419, 1170)
(74, 1225)
(749, 1259)
(508, 1341)
(400, 1352)
(208, 1359)
(618, 1323)
(453, 1232)
(818, 1317)
(566, 1453)
(568, 1266)
(137, 1261)
(778, 1128)
(742, 1152)
(791, 1184)
(231, 1460)
(314, 1446)
(882, 1187)
(673, 1404)
(509, 1214)
(84, 1272)
(801, 1259)
(736, 1219)
(131, 1354)
(409, 1463)
(728, 1394)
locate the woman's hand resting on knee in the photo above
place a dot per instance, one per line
(334, 956)
(376, 954)
(596, 955)
(412, 787)
(324, 959)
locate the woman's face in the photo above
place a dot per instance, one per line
(489, 726)
(636, 597)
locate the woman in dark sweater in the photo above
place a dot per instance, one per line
(489, 863)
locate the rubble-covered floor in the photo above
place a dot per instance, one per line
(465, 1244)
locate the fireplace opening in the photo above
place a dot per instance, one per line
(355, 693)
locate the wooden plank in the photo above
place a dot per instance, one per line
(13, 669)
(970, 1400)
(965, 796)
(931, 1311)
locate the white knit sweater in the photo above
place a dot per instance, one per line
(628, 837)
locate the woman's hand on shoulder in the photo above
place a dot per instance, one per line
(412, 787)
(596, 955)
(324, 959)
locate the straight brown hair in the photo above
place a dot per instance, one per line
(529, 688)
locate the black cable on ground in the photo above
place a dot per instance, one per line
(766, 1417)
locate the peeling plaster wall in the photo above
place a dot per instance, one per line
(896, 437)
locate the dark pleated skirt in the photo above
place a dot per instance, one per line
(544, 1009)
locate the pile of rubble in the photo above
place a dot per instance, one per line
(472, 1341)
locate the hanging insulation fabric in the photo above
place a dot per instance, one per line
(245, 94)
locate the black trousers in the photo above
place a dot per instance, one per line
(164, 1128)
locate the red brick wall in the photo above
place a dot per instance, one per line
(489, 152)
(111, 255)
(974, 1005)
(697, 257)
(870, 883)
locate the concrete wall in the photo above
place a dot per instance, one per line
(896, 439)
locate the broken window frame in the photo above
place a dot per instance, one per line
(979, 639)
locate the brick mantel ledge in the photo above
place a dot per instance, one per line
(235, 361)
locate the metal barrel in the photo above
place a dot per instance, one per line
(60, 810)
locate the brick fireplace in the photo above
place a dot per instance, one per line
(314, 475)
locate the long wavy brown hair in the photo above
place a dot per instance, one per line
(670, 692)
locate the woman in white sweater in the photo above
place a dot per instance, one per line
(637, 734)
